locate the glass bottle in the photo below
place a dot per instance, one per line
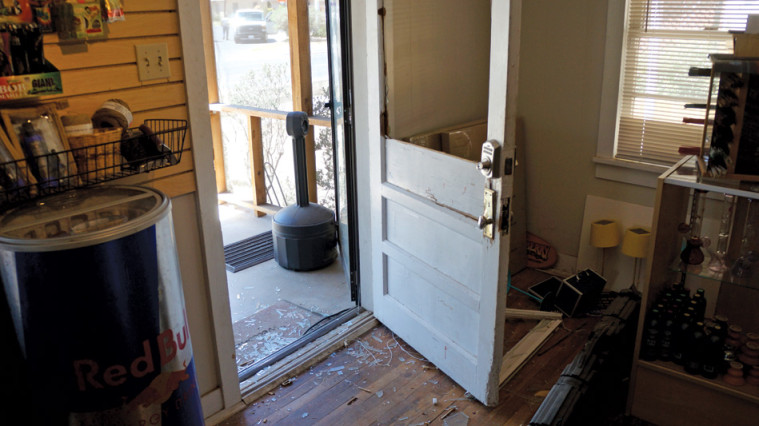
(694, 350)
(699, 300)
(692, 253)
(747, 256)
(681, 338)
(717, 263)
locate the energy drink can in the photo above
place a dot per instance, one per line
(93, 285)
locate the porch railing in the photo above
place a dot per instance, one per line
(256, 152)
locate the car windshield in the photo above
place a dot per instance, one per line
(251, 16)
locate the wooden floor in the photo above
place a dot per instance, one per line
(379, 379)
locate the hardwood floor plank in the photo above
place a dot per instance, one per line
(379, 361)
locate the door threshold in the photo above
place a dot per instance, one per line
(298, 362)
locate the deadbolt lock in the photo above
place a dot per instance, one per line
(488, 164)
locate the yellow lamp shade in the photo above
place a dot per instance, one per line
(635, 243)
(604, 233)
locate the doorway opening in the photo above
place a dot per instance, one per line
(272, 58)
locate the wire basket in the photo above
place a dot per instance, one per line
(105, 155)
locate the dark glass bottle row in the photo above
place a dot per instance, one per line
(677, 331)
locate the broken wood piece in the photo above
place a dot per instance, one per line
(517, 356)
(447, 412)
(530, 314)
(365, 389)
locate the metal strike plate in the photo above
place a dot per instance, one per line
(487, 220)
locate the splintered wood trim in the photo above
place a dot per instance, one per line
(517, 356)
(300, 361)
(530, 314)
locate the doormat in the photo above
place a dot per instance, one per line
(269, 330)
(249, 252)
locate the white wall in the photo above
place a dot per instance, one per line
(559, 99)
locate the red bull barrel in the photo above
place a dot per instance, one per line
(93, 285)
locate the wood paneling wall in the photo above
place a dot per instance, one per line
(95, 71)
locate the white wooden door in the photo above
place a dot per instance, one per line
(439, 284)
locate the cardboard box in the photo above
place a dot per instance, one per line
(31, 85)
(746, 45)
(430, 140)
(465, 141)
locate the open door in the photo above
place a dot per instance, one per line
(440, 267)
(340, 82)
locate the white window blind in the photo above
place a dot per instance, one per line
(664, 38)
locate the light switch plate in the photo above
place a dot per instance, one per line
(152, 61)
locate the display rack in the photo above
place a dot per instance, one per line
(662, 392)
(113, 155)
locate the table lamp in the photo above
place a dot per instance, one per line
(635, 245)
(604, 234)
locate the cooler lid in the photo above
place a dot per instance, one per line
(81, 217)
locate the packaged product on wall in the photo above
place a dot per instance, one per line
(79, 19)
(6, 69)
(23, 45)
(88, 19)
(43, 14)
(16, 11)
(114, 10)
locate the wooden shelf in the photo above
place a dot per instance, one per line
(747, 392)
(662, 392)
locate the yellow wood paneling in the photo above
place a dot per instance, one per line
(96, 80)
(135, 25)
(176, 112)
(150, 5)
(104, 53)
(138, 99)
(175, 185)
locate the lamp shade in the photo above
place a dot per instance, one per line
(604, 233)
(635, 243)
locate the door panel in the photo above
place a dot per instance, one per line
(446, 180)
(404, 227)
(438, 282)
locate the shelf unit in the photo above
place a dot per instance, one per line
(662, 392)
(116, 156)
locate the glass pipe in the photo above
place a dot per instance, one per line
(717, 263)
(747, 256)
(692, 253)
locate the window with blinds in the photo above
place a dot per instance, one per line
(663, 40)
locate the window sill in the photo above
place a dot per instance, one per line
(632, 172)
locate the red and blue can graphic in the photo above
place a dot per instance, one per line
(102, 324)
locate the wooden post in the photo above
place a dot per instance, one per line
(256, 155)
(218, 153)
(300, 68)
(213, 97)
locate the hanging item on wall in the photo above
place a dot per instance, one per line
(79, 20)
(15, 11)
(24, 72)
(43, 14)
(114, 10)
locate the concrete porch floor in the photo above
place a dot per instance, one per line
(272, 306)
